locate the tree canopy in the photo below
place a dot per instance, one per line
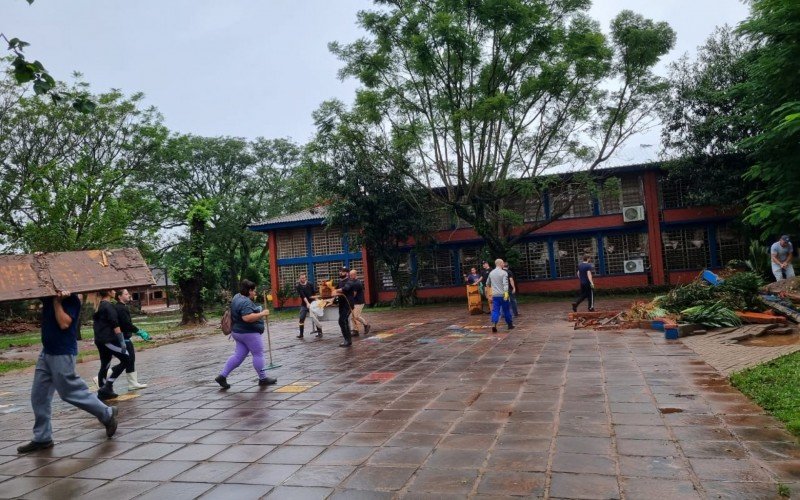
(486, 92)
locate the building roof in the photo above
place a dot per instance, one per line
(310, 217)
(316, 215)
(160, 277)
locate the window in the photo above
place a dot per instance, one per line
(730, 245)
(385, 278)
(570, 252)
(581, 207)
(289, 275)
(324, 271)
(673, 193)
(534, 261)
(531, 209)
(326, 241)
(358, 265)
(617, 248)
(685, 249)
(629, 195)
(292, 244)
(158, 294)
(470, 257)
(135, 296)
(435, 268)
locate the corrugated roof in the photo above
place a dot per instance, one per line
(308, 215)
(32, 276)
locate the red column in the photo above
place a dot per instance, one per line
(272, 241)
(365, 263)
(652, 211)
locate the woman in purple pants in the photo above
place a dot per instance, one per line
(248, 325)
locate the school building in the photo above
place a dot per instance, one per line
(641, 235)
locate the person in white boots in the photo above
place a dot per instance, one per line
(126, 325)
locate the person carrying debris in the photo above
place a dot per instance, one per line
(358, 304)
(498, 281)
(484, 282)
(585, 275)
(55, 372)
(305, 291)
(781, 254)
(345, 296)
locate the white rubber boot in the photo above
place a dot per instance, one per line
(133, 383)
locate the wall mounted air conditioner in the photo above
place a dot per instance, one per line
(633, 214)
(634, 266)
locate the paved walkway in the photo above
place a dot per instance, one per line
(433, 406)
(730, 358)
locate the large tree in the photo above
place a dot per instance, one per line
(773, 99)
(70, 180)
(490, 91)
(237, 182)
(705, 121)
(362, 178)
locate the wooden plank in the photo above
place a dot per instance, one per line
(32, 276)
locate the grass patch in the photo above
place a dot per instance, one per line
(19, 340)
(775, 386)
(7, 366)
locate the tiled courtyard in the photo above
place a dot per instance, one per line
(433, 405)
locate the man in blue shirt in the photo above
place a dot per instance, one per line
(585, 271)
(55, 371)
(781, 254)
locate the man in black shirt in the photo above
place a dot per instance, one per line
(358, 304)
(305, 290)
(110, 343)
(128, 329)
(485, 270)
(512, 289)
(345, 297)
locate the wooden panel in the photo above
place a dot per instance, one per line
(32, 276)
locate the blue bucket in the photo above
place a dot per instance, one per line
(657, 325)
(671, 334)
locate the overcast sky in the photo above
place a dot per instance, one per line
(254, 68)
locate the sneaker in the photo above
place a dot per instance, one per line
(591, 309)
(367, 328)
(111, 425)
(319, 334)
(35, 446)
(346, 344)
(300, 336)
(510, 327)
(267, 381)
(574, 308)
(494, 328)
(222, 381)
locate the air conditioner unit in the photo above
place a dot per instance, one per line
(633, 214)
(634, 266)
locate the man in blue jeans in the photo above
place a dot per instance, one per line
(55, 371)
(781, 258)
(498, 281)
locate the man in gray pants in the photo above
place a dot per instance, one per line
(55, 371)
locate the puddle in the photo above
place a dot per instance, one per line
(772, 340)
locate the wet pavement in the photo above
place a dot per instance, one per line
(432, 405)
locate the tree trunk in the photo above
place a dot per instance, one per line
(192, 302)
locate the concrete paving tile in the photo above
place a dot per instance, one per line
(713, 449)
(773, 451)
(292, 454)
(106, 449)
(299, 493)
(583, 486)
(270, 437)
(119, 490)
(583, 463)
(351, 494)
(785, 470)
(412, 439)
(176, 491)
(312, 438)
(344, 455)
(23, 464)
(452, 458)
(397, 456)
(66, 488)
(364, 439)
(379, 478)
(320, 475)
(729, 490)
(159, 471)
(512, 483)
(236, 491)
(591, 445)
(515, 460)
(647, 447)
(196, 452)
(210, 472)
(638, 487)
(150, 451)
(242, 453)
(63, 467)
(641, 432)
(453, 481)
(662, 467)
(467, 442)
(272, 474)
(19, 487)
(111, 469)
